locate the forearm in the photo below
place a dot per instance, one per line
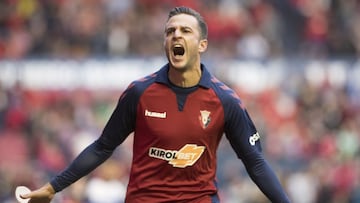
(44, 194)
(90, 158)
(265, 178)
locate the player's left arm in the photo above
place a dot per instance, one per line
(264, 177)
(245, 140)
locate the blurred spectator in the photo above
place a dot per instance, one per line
(253, 46)
(106, 185)
(302, 187)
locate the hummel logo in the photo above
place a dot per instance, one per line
(155, 114)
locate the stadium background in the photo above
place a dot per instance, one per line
(64, 63)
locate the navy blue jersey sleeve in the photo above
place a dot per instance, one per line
(122, 121)
(240, 131)
(119, 126)
(245, 140)
(264, 177)
(88, 160)
(239, 128)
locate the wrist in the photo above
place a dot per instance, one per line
(49, 188)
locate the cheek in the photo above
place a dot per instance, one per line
(166, 46)
(164, 43)
(167, 43)
(193, 47)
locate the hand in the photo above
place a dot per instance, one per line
(42, 195)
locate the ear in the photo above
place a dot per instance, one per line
(203, 45)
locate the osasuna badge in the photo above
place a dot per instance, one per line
(204, 118)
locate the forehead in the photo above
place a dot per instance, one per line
(182, 20)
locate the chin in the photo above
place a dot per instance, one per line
(178, 65)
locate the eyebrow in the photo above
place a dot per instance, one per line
(181, 27)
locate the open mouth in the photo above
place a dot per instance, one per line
(178, 50)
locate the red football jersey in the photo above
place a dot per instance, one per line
(176, 135)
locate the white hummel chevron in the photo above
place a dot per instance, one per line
(155, 114)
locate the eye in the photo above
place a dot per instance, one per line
(169, 31)
(187, 30)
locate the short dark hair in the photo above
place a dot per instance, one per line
(189, 11)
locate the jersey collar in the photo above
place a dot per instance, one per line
(205, 80)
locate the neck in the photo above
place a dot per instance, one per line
(185, 78)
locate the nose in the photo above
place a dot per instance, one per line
(177, 33)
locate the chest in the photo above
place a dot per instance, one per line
(160, 119)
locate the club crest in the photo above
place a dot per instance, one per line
(204, 118)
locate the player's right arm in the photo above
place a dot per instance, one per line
(119, 126)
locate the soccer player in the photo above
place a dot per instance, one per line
(178, 115)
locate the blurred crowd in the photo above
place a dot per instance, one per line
(310, 131)
(237, 28)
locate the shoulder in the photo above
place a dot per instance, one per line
(144, 82)
(137, 87)
(225, 93)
